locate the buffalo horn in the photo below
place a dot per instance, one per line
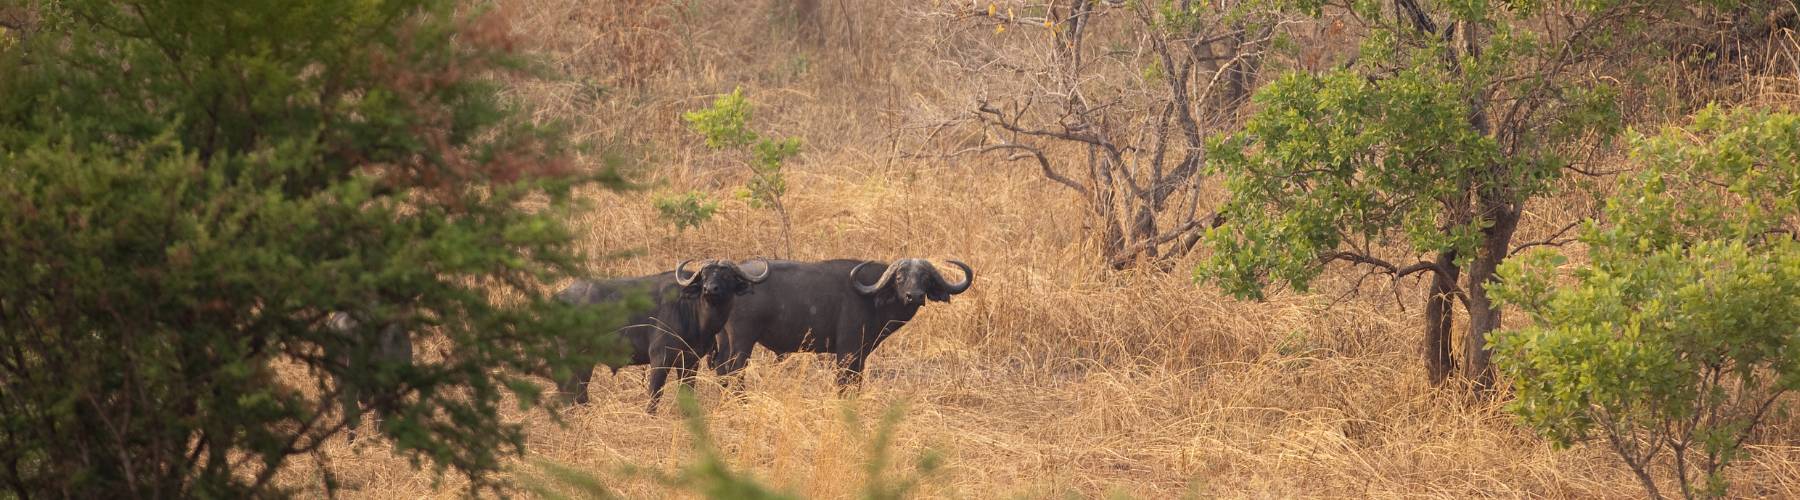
(871, 289)
(747, 277)
(681, 268)
(956, 288)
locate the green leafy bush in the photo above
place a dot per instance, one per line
(685, 210)
(1680, 336)
(188, 189)
(726, 126)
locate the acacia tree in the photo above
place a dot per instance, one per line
(1419, 154)
(189, 189)
(1681, 335)
(1114, 101)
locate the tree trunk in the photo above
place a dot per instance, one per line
(1484, 315)
(787, 230)
(1144, 230)
(1440, 319)
(1112, 242)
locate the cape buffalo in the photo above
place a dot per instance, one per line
(393, 346)
(843, 307)
(687, 313)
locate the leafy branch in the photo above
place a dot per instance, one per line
(726, 126)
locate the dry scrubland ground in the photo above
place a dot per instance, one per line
(1050, 377)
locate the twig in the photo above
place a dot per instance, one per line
(1024, 152)
(1352, 289)
(1013, 126)
(1128, 253)
(1357, 258)
(1594, 173)
(1551, 241)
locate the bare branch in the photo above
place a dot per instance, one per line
(1131, 252)
(1416, 14)
(1594, 173)
(1021, 152)
(1416, 267)
(1352, 289)
(1357, 258)
(1554, 240)
(989, 114)
(1384, 266)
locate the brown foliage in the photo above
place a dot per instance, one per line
(422, 83)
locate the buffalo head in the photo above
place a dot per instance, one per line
(912, 281)
(717, 279)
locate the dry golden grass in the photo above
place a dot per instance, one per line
(1051, 376)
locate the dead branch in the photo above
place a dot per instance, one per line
(1023, 152)
(1554, 240)
(1352, 289)
(1130, 253)
(1137, 141)
(991, 115)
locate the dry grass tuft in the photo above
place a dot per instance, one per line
(1050, 377)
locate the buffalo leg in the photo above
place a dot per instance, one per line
(575, 388)
(850, 369)
(397, 350)
(718, 355)
(396, 345)
(393, 346)
(729, 358)
(352, 411)
(659, 375)
(680, 362)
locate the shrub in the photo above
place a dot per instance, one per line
(685, 210)
(188, 189)
(726, 126)
(1683, 332)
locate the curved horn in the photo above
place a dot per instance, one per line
(956, 288)
(747, 277)
(680, 268)
(871, 289)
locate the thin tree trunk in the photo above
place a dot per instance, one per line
(1440, 319)
(1484, 315)
(1144, 229)
(787, 231)
(1112, 240)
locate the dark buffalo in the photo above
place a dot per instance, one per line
(688, 311)
(392, 346)
(843, 307)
